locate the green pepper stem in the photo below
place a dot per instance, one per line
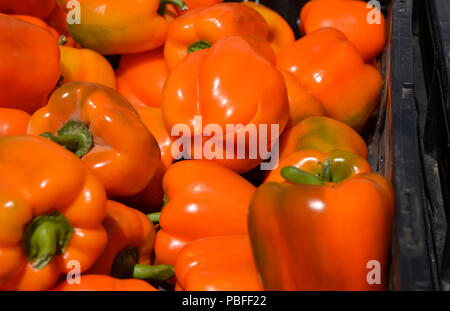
(199, 45)
(62, 40)
(165, 200)
(296, 175)
(326, 171)
(45, 237)
(157, 273)
(154, 217)
(178, 3)
(74, 136)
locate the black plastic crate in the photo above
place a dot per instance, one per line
(395, 137)
(432, 52)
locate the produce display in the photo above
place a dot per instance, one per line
(189, 146)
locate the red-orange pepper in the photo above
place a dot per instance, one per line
(131, 237)
(141, 77)
(330, 68)
(65, 40)
(92, 282)
(38, 22)
(38, 8)
(13, 122)
(193, 4)
(57, 20)
(221, 263)
(203, 27)
(30, 66)
(326, 232)
(362, 24)
(204, 84)
(101, 127)
(204, 199)
(51, 208)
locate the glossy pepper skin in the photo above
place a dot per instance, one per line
(57, 20)
(352, 19)
(131, 237)
(221, 263)
(93, 282)
(280, 33)
(105, 131)
(30, 66)
(322, 134)
(13, 122)
(204, 200)
(151, 198)
(120, 27)
(51, 210)
(330, 68)
(126, 227)
(38, 8)
(345, 164)
(193, 4)
(55, 33)
(204, 84)
(38, 22)
(210, 24)
(141, 77)
(302, 105)
(322, 236)
(87, 66)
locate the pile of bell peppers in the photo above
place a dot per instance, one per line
(92, 196)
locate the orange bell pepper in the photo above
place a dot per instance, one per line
(203, 27)
(151, 198)
(280, 33)
(13, 122)
(352, 19)
(92, 282)
(204, 84)
(38, 8)
(30, 67)
(204, 199)
(221, 263)
(330, 68)
(38, 22)
(302, 105)
(131, 237)
(193, 4)
(345, 164)
(103, 129)
(66, 40)
(120, 27)
(51, 209)
(322, 134)
(87, 66)
(57, 20)
(322, 233)
(141, 77)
